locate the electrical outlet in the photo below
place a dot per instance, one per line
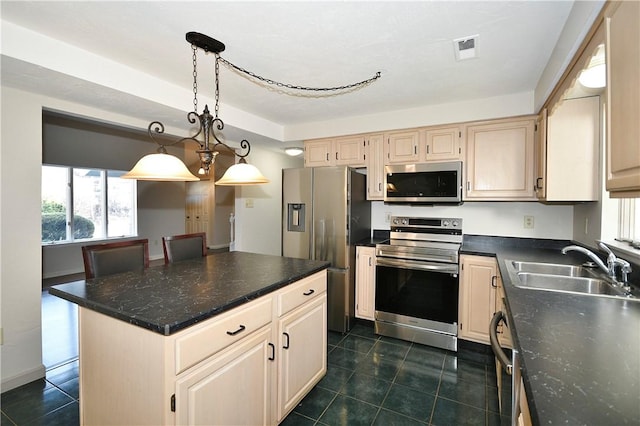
(528, 222)
(248, 203)
(387, 217)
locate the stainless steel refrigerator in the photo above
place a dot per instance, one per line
(324, 214)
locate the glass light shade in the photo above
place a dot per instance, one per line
(594, 77)
(160, 167)
(293, 151)
(242, 174)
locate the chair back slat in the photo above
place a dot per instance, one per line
(113, 258)
(183, 247)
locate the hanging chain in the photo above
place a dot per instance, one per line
(292, 86)
(217, 85)
(195, 79)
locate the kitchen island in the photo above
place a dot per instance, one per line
(229, 338)
(580, 355)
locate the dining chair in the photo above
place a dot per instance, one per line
(183, 247)
(112, 258)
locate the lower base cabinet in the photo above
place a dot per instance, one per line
(240, 375)
(249, 366)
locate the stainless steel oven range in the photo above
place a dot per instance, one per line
(417, 281)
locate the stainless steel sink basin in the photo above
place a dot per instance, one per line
(567, 284)
(553, 269)
(563, 278)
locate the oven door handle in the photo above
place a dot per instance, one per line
(422, 266)
(495, 344)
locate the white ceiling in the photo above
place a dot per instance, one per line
(306, 43)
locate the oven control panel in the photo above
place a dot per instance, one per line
(426, 222)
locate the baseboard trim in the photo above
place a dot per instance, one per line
(23, 378)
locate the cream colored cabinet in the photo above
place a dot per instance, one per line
(478, 284)
(540, 153)
(441, 144)
(318, 153)
(500, 160)
(233, 388)
(347, 151)
(623, 98)
(402, 147)
(569, 160)
(365, 282)
(249, 365)
(350, 151)
(303, 354)
(374, 155)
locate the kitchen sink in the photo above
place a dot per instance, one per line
(564, 278)
(553, 269)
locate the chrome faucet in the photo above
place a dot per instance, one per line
(612, 261)
(609, 269)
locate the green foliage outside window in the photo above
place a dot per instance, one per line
(54, 223)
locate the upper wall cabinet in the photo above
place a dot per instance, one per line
(623, 98)
(499, 160)
(441, 144)
(569, 160)
(318, 153)
(348, 151)
(374, 156)
(402, 147)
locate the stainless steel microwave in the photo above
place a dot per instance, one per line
(424, 183)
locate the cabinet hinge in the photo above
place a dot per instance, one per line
(459, 134)
(535, 127)
(173, 403)
(459, 150)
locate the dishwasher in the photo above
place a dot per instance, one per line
(519, 412)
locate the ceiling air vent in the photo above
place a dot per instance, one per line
(466, 47)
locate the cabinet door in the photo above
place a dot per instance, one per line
(478, 282)
(500, 160)
(623, 95)
(375, 167)
(302, 354)
(349, 151)
(541, 155)
(231, 388)
(573, 151)
(318, 153)
(442, 143)
(402, 147)
(365, 282)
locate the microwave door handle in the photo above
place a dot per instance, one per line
(495, 345)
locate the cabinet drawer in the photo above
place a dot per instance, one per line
(224, 330)
(302, 291)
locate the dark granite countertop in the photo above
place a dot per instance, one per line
(169, 298)
(580, 355)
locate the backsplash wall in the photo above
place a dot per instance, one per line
(489, 218)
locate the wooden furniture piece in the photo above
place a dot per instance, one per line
(113, 258)
(478, 285)
(183, 247)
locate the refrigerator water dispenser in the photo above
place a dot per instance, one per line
(295, 217)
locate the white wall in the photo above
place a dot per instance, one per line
(504, 219)
(258, 228)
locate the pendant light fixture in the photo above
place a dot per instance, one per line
(162, 166)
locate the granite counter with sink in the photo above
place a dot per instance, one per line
(580, 354)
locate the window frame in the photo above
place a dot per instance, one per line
(70, 207)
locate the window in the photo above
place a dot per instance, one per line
(629, 221)
(86, 204)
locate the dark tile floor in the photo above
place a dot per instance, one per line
(371, 380)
